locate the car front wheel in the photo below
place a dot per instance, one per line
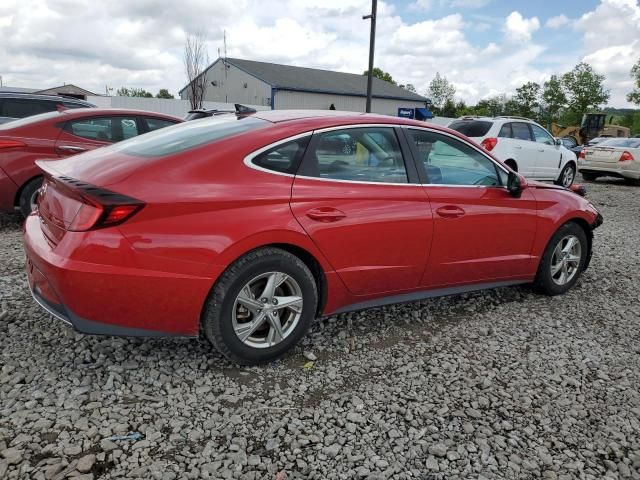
(261, 306)
(563, 260)
(567, 176)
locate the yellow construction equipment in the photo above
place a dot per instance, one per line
(592, 125)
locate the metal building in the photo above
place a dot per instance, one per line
(288, 87)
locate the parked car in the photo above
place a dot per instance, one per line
(243, 230)
(523, 145)
(21, 105)
(578, 148)
(211, 112)
(613, 157)
(59, 134)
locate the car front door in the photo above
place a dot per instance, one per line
(364, 208)
(83, 134)
(549, 158)
(481, 234)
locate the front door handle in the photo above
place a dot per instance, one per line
(541, 149)
(326, 214)
(450, 211)
(71, 149)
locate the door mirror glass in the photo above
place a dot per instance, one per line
(516, 184)
(558, 141)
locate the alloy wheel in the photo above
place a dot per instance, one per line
(565, 260)
(567, 177)
(267, 309)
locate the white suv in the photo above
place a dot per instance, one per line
(523, 145)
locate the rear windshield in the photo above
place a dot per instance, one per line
(184, 136)
(621, 142)
(27, 120)
(471, 128)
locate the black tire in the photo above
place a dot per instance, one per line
(568, 166)
(588, 176)
(544, 281)
(27, 195)
(217, 320)
(511, 164)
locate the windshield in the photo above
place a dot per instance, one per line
(621, 142)
(471, 128)
(184, 136)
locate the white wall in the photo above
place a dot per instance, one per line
(285, 100)
(176, 107)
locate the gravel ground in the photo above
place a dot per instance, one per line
(500, 384)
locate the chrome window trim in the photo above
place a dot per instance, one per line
(248, 160)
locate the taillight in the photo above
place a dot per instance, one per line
(99, 207)
(489, 143)
(11, 144)
(582, 154)
(626, 157)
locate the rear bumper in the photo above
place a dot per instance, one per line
(616, 169)
(111, 299)
(8, 191)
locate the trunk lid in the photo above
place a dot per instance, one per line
(603, 154)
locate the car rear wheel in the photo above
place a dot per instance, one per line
(567, 175)
(588, 176)
(261, 306)
(29, 196)
(563, 260)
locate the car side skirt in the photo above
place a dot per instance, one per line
(424, 294)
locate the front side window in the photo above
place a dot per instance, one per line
(283, 158)
(448, 161)
(520, 131)
(541, 135)
(104, 129)
(368, 154)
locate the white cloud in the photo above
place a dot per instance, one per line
(611, 38)
(428, 4)
(558, 21)
(519, 29)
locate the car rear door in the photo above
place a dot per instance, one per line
(87, 133)
(481, 234)
(364, 208)
(519, 145)
(549, 157)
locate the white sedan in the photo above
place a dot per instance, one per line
(614, 157)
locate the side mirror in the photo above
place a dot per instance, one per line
(516, 184)
(558, 141)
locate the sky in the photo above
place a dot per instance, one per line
(484, 47)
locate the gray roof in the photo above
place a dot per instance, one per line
(68, 89)
(287, 77)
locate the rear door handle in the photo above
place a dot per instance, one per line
(518, 147)
(326, 214)
(450, 211)
(541, 149)
(71, 148)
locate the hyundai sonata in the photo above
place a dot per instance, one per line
(246, 228)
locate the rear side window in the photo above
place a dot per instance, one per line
(184, 136)
(283, 158)
(505, 131)
(521, 131)
(157, 123)
(21, 107)
(471, 128)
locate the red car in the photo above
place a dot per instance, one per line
(57, 135)
(248, 228)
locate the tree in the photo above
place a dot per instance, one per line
(634, 95)
(440, 90)
(196, 60)
(585, 89)
(492, 106)
(554, 98)
(526, 99)
(382, 75)
(409, 87)
(133, 92)
(164, 93)
(449, 109)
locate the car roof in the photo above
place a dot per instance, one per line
(36, 96)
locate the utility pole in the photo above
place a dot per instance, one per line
(372, 43)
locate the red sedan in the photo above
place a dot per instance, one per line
(57, 135)
(247, 228)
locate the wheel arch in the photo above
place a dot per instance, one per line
(16, 199)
